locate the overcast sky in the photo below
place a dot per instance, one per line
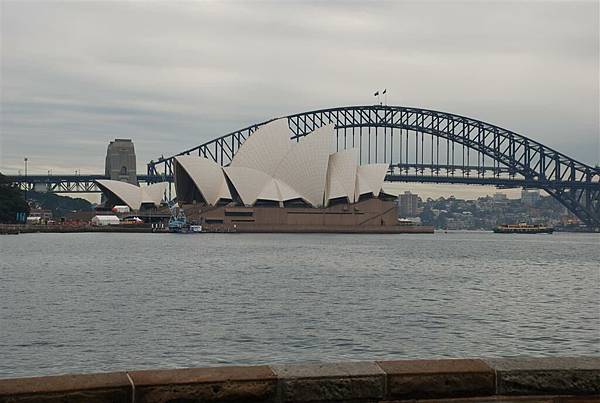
(172, 75)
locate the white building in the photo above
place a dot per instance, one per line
(105, 220)
(270, 168)
(408, 204)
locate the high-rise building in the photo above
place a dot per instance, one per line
(407, 204)
(120, 161)
(530, 197)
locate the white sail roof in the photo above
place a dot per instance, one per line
(265, 148)
(369, 179)
(286, 192)
(341, 175)
(207, 175)
(268, 166)
(253, 185)
(134, 196)
(249, 183)
(154, 193)
(130, 194)
(304, 168)
(277, 190)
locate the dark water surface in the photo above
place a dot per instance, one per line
(102, 302)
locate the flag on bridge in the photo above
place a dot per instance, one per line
(384, 91)
(376, 94)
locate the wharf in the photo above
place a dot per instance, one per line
(10, 229)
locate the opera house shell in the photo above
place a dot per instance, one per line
(269, 169)
(136, 197)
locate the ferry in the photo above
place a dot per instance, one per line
(523, 228)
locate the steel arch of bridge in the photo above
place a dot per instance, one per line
(423, 145)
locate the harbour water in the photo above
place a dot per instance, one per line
(103, 302)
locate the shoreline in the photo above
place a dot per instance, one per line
(16, 230)
(8, 229)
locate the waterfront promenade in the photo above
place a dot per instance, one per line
(540, 380)
(13, 229)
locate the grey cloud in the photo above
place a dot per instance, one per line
(173, 75)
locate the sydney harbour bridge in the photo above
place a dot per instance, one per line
(420, 145)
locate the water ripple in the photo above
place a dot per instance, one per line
(147, 300)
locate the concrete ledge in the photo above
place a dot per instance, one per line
(242, 384)
(438, 378)
(94, 388)
(351, 381)
(567, 376)
(457, 380)
(506, 399)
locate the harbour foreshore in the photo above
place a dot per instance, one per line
(561, 379)
(148, 228)
(13, 229)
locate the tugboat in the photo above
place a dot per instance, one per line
(178, 222)
(523, 228)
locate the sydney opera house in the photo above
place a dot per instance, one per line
(274, 184)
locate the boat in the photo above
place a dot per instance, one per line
(178, 223)
(523, 228)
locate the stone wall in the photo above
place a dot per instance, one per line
(369, 212)
(461, 380)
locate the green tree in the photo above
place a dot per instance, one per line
(441, 221)
(11, 201)
(60, 205)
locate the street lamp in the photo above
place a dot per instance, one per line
(26, 184)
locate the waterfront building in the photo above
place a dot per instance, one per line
(273, 183)
(270, 169)
(43, 214)
(102, 220)
(500, 200)
(408, 204)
